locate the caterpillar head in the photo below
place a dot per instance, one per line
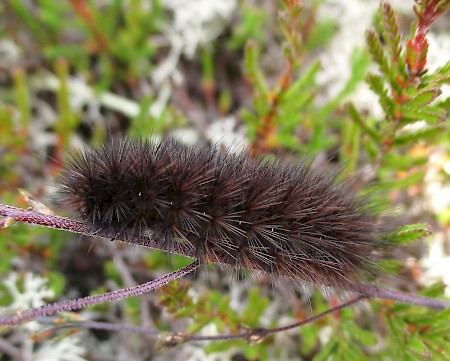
(112, 190)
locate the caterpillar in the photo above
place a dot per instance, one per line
(288, 220)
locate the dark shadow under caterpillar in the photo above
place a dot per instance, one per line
(285, 219)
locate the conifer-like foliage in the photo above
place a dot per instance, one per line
(408, 93)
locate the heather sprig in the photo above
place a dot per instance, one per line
(408, 94)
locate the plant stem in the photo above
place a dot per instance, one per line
(52, 221)
(76, 304)
(171, 339)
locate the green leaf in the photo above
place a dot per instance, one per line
(255, 307)
(402, 162)
(359, 62)
(350, 149)
(253, 20)
(252, 69)
(327, 351)
(414, 136)
(391, 31)
(367, 338)
(376, 83)
(366, 128)
(425, 97)
(440, 76)
(377, 52)
(321, 34)
(409, 233)
(31, 21)
(439, 319)
(417, 346)
(435, 290)
(56, 282)
(307, 79)
(431, 114)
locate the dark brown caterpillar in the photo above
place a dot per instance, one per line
(287, 220)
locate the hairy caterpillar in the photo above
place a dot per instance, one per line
(285, 219)
(288, 220)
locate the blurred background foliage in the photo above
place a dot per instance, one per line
(363, 86)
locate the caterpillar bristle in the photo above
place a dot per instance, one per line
(284, 219)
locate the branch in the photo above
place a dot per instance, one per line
(69, 305)
(66, 224)
(386, 294)
(52, 221)
(253, 335)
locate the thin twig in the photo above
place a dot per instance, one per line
(36, 218)
(69, 305)
(255, 335)
(66, 224)
(170, 339)
(386, 294)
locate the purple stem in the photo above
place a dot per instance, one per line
(258, 334)
(41, 219)
(52, 221)
(66, 224)
(386, 294)
(251, 335)
(70, 305)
